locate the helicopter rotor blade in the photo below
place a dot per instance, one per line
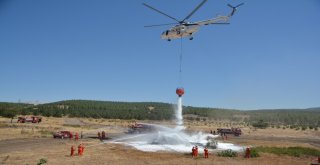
(197, 8)
(222, 23)
(239, 5)
(150, 7)
(216, 23)
(160, 25)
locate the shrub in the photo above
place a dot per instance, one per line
(310, 127)
(42, 161)
(292, 126)
(254, 153)
(228, 153)
(260, 124)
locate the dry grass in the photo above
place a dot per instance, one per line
(57, 151)
(96, 153)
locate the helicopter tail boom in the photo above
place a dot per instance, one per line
(216, 20)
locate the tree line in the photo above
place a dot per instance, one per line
(158, 111)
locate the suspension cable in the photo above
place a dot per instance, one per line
(180, 62)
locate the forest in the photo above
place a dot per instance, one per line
(160, 111)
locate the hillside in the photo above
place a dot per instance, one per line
(160, 111)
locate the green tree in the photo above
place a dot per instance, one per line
(10, 114)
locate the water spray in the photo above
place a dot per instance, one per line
(178, 111)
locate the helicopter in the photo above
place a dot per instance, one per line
(182, 28)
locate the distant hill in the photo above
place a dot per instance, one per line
(160, 111)
(314, 109)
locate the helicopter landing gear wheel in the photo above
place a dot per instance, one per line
(169, 39)
(191, 38)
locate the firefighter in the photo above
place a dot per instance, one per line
(79, 150)
(72, 151)
(76, 136)
(206, 152)
(71, 136)
(193, 152)
(196, 151)
(248, 152)
(82, 149)
(103, 135)
(99, 135)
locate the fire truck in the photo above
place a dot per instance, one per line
(29, 119)
(140, 128)
(234, 131)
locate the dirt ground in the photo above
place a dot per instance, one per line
(28, 143)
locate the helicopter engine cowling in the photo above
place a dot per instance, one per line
(183, 29)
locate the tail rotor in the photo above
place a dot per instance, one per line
(234, 8)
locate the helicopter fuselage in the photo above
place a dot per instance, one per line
(180, 31)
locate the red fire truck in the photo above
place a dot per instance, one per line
(29, 119)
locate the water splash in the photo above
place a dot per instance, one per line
(162, 138)
(178, 112)
(171, 139)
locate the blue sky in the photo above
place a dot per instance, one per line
(268, 57)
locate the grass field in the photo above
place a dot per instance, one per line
(28, 143)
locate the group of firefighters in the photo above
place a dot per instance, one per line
(76, 136)
(102, 135)
(80, 150)
(195, 152)
(80, 147)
